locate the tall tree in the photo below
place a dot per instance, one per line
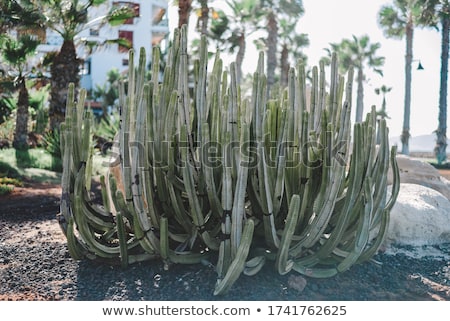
(203, 17)
(381, 113)
(184, 11)
(275, 10)
(21, 17)
(68, 18)
(437, 12)
(291, 43)
(15, 53)
(398, 21)
(108, 93)
(359, 53)
(15, 13)
(231, 31)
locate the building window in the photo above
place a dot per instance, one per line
(94, 32)
(125, 62)
(158, 17)
(157, 37)
(133, 6)
(128, 36)
(85, 68)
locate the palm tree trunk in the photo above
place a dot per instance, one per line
(407, 108)
(360, 96)
(184, 10)
(64, 70)
(240, 56)
(284, 66)
(441, 132)
(272, 41)
(21, 133)
(204, 17)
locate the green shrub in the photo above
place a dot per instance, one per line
(10, 181)
(7, 184)
(5, 189)
(52, 143)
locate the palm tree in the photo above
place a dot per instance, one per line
(381, 113)
(275, 10)
(68, 18)
(108, 93)
(15, 13)
(383, 90)
(358, 53)
(19, 16)
(203, 17)
(439, 11)
(231, 31)
(15, 53)
(397, 21)
(291, 42)
(184, 11)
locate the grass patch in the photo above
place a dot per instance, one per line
(9, 178)
(31, 158)
(6, 170)
(33, 164)
(39, 165)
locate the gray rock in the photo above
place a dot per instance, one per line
(419, 172)
(297, 282)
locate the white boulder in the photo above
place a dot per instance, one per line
(420, 216)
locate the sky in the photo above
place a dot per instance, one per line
(327, 21)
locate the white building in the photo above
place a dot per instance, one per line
(150, 27)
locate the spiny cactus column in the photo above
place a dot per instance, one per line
(207, 173)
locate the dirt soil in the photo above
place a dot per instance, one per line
(35, 265)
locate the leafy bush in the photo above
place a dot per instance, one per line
(9, 178)
(108, 127)
(52, 143)
(6, 107)
(7, 127)
(5, 189)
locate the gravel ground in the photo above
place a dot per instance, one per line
(35, 265)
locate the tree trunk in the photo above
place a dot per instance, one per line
(184, 10)
(441, 132)
(64, 70)
(21, 133)
(383, 113)
(360, 96)
(240, 56)
(272, 41)
(284, 66)
(407, 108)
(204, 17)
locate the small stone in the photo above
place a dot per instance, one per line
(297, 282)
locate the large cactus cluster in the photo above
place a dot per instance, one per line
(205, 173)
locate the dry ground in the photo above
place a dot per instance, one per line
(35, 265)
